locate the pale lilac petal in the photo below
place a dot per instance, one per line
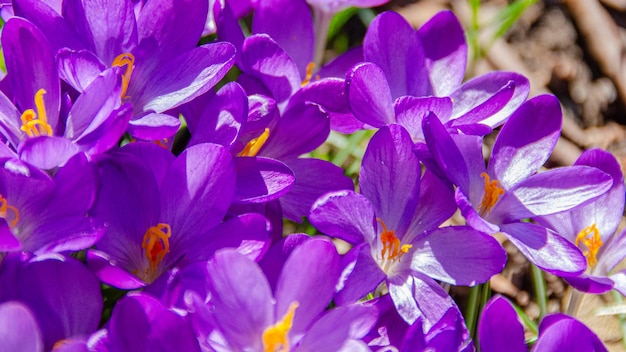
(312, 289)
(346, 215)
(369, 96)
(401, 59)
(546, 249)
(10, 121)
(390, 177)
(153, 126)
(18, 328)
(445, 59)
(47, 152)
(78, 68)
(458, 255)
(411, 111)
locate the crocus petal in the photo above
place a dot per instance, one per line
(261, 179)
(346, 215)
(516, 155)
(410, 112)
(442, 256)
(227, 26)
(499, 328)
(273, 261)
(336, 6)
(8, 242)
(78, 68)
(416, 296)
(198, 189)
(436, 204)
(546, 249)
(360, 275)
(338, 325)
(184, 78)
(63, 295)
(241, 297)
(478, 91)
(248, 233)
(300, 130)
(222, 117)
(109, 28)
(314, 178)
(369, 95)
(619, 279)
(290, 24)
(31, 67)
(158, 19)
(10, 121)
(18, 328)
(401, 59)
(559, 332)
(590, 284)
(342, 63)
(104, 268)
(390, 177)
(140, 322)
(311, 290)
(265, 60)
(153, 126)
(552, 191)
(47, 152)
(153, 156)
(445, 58)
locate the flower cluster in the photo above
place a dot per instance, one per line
(144, 180)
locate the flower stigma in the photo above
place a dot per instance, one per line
(254, 146)
(6, 209)
(156, 245)
(309, 74)
(36, 124)
(128, 60)
(590, 238)
(275, 337)
(392, 250)
(493, 191)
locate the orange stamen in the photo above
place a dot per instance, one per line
(254, 146)
(493, 191)
(128, 60)
(5, 209)
(309, 73)
(275, 337)
(392, 249)
(36, 124)
(156, 245)
(590, 238)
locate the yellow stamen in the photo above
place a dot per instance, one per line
(5, 209)
(392, 250)
(36, 124)
(275, 337)
(254, 146)
(156, 245)
(128, 60)
(309, 73)
(590, 238)
(493, 191)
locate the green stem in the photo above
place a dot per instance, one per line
(540, 290)
(619, 300)
(471, 314)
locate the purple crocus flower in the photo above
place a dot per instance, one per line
(404, 70)
(62, 295)
(157, 49)
(592, 227)
(394, 228)
(35, 127)
(391, 331)
(162, 212)
(246, 314)
(495, 198)
(500, 330)
(43, 215)
(18, 328)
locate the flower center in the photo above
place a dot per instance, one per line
(156, 245)
(309, 74)
(493, 191)
(36, 124)
(9, 212)
(275, 337)
(392, 250)
(590, 238)
(128, 60)
(254, 146)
